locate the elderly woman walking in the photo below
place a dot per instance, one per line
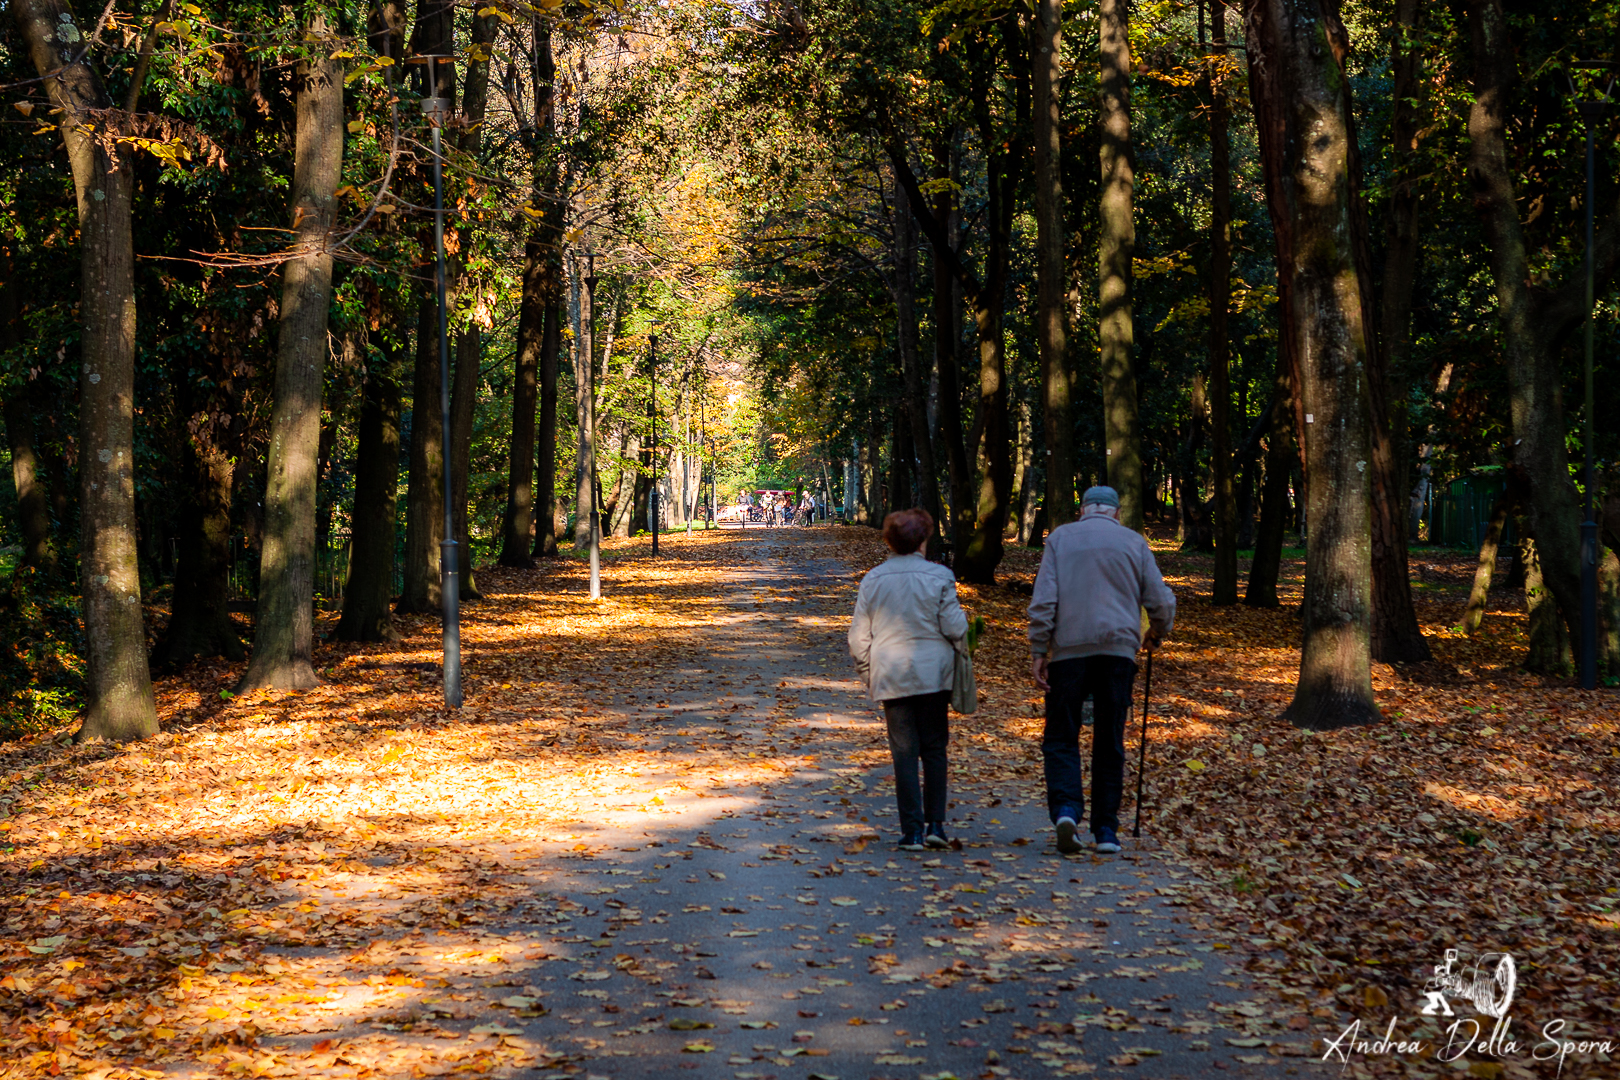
(904, 636)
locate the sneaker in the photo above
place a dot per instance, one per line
(934, 836)
(1066, 843)
(912, 841)
(1107, 842)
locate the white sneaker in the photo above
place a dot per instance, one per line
(1066, 828)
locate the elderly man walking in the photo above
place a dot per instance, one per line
(1085, 627)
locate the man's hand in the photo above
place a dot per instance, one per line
(1152, 641)
(1038, 669)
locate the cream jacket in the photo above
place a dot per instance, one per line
(906, 625)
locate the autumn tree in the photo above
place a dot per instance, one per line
(1116, 245)
(119, 686)
(1308, 144)
(284, 631)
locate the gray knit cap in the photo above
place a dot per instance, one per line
(1101, 495)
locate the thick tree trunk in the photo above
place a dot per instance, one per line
(368, 597)
(1046, 65)
(1303, 113)
(1116, 245)
(424, 484)
(284, 630)
(519, 521)
(117, 680)
(1532, 321)
(1220, 295)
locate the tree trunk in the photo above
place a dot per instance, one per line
(903, 286)
(424, 484)
(200, 623)
(545, 249)
(1307, 138)
(1193, 524)
(1474, 611)
(468, 341)
(519, 519)
(1266, 566)
(424, 499)
(369, 595)
(1220, 295)
(899, 460)
(117, 680)
(1532, 320)
(284, 629)
(1420, 490)
(1549, 640)
(1396, 635)
(1609, 613)
(584, 417)
(1004, 164)
(1046, 66)
(33, 503)
(1116, 245)
(1028, 481)
(463, 395)
(548, 528)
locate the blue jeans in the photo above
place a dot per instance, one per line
(1108, 681)
(919, 728)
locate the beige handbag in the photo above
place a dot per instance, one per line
(964, 691)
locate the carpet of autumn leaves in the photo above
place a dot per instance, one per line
(157, 896)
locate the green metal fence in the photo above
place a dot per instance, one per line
(1459, 513)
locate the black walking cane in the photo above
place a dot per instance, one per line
(1141, 760)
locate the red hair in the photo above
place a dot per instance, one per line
(905, 530)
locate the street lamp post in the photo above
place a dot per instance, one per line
(1591, 112)
(437, 110)
(652, 437)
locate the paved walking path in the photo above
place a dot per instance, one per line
(775, 932)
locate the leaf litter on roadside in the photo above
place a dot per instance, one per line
(279, 866)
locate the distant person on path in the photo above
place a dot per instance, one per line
(1085, 627)
(904, 636)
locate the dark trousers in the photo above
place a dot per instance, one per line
(1108, 681)
(919, 728)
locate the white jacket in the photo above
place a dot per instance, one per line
(905, 628)
(1096, 576)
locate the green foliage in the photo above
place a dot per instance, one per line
(41, 665)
